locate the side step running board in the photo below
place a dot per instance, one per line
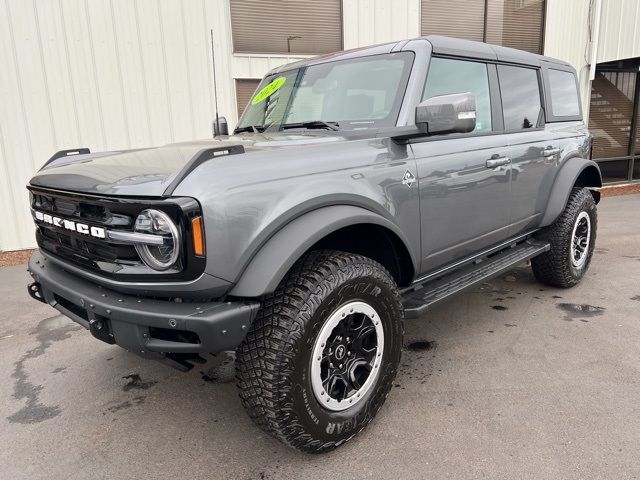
(417, 302)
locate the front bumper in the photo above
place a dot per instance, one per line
(157, 329)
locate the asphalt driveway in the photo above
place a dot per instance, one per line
(512, 380)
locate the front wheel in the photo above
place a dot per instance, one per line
(320, 358)
(572, 238)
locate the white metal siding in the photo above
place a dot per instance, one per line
(114, 74)
(367, 22)
(619, 30)
(109, 74)
(567, 35)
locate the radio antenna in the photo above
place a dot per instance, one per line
(216, 127)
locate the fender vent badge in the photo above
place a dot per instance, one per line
(408, 178)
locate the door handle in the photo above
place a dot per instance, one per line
(550, 151)
(497, 161)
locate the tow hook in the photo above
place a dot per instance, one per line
(35, 292)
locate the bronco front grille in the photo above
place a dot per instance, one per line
(98, 255)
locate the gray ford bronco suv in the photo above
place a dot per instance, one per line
(358, 189)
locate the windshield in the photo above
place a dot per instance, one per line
(355, 93)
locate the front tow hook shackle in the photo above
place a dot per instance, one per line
(36, 292)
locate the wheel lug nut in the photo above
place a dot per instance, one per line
(340, 366)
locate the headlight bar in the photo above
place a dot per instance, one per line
(134, 238)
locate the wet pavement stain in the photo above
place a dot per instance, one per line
(421, 346)
(135, 381)
(48, 331)
(59, 370)
(499, 307)
(636, 298)
(556, 296)
(510, 325)
(127, 404)
(222, 370)
(577, 311)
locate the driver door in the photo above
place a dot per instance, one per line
(464, 179)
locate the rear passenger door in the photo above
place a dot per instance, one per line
(533, 152)
(463, 178)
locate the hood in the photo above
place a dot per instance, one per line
(151, 172)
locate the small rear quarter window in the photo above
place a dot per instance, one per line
(564, 94)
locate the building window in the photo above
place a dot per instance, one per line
(614, 170)
(614, 120)
(286, 26)
(244, 92)
(510, 23)
(611, 113)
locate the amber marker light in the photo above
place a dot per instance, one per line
(198, 236)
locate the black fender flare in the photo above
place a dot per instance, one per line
(274, 259)
(565, 180)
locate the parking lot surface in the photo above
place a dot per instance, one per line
(512, 380)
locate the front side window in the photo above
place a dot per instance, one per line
(356, 93)
(564, 94)
(448, 76)
(520, 97)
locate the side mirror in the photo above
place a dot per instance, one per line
(220, 127)
(455, 113)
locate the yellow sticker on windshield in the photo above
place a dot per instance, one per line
(268, 90)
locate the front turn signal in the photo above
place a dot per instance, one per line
(197, 230)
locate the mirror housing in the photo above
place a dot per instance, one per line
(455, 113)
(220, 127)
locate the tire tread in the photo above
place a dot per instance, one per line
(552, 267)
(265, 359)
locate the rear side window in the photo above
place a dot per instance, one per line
(448, 76)
(564, 94)
(520, 97)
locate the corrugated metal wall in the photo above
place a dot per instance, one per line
(619, 30)
(107, 74)
(567, 34)
(367, 22)
(114, 74)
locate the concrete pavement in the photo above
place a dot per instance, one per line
(512, 380)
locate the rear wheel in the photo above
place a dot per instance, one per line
(572, 238)
(320, 358)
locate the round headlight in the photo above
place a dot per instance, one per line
(155, 222)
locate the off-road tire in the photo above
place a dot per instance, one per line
(273, 362)
(554, 268)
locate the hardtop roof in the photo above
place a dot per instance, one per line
(441, 45)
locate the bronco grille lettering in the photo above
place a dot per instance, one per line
(83, 228)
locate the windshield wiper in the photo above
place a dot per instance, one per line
(312, 124)
(249, 128)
